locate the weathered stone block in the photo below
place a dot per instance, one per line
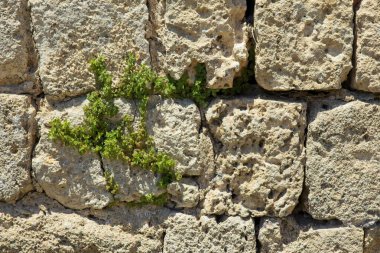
(68, 34)
(13, 43)
(39, 224)
(17, 134)
(343, 169)
(368, 47)
(184, 193)
(260, 160)
(75, 180)
(210, 32)
(303, 44)
(286, 235)
(185, 233)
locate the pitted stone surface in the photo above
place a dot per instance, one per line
(343, 154)
(74, 180)
(68, 34)
(185, 233)
(13, 47)
(261, 156)
(368, 47)
(303, 44)
(17, 134)
(175, 126)
(184, 193)
(210, 32)
(38, 224)
(287, 236)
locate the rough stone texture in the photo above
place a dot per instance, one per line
(175, 126)
(68, 34)
(368, 47)
(13, 43)
(39, 225)
(372, 240)
(187, 234)
(303, 44)
(210, 32)
(184, 193)
(17, 132)
(75, 180)
(261, 156)
(342, 170)
(287, 236)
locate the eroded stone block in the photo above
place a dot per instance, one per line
(303, 45)
(260, 161)
(185, 233)
(287, 235)
(372, 240)
(209, 32)
(13, 42)
(368, 47)
(343, 168)
(68, 34)
(74, 180)
(17, 134)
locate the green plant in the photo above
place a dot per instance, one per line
(111, 184)
(149, 199)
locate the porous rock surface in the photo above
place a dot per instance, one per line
(39, 225)
(13, 43)
(303, 45)
(68, 34)
(288, 236)
(372, 240)
(74, 180)
(368, 47)
(186, 233)
(342, 169)
(17, 134)
(209, 32)
(260, 161)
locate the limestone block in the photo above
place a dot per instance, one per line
(187, 234)
(175, 126)
(39, 224)
(13, 43)
(372, 240)
(343, 154)
(303, 44)
(368, 47)
(74, 180)
(184, 193)
(210, 32)
(261, 156)
(68, 34)
(17, 134)
(287, 236)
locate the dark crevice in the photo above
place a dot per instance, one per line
(163, 240)
(257, 221)
(151, 34)
(348, 84)
(249, 13)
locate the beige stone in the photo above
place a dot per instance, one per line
(209, 32)
(287, 236)
(185, 233)
(342, 169)
(184, 193)
(368, 47)
(303, 44)
(176, 128)
(17, 134)
(372, 240)
(38, 224)
(68, 34)
(13, 44)
(75, 180)
(260, 160)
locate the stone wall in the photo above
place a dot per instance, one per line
(292, 165)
